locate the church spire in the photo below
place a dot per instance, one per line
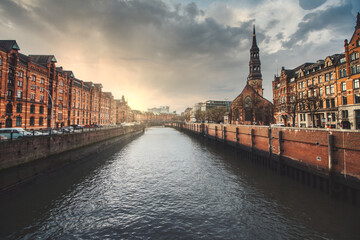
(254, 44)
(255, 77)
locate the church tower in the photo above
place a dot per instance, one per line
(255, 77)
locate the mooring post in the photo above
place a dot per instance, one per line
(224, 134)
(280, 164)
(252, 140)
(215, 132)
(270, 143)
(330, 165)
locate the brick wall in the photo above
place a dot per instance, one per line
(307, 147)
(20, 151)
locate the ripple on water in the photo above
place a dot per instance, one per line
(166, 185)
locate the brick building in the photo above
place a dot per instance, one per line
(123, 111)
(35, 94)
(321, 94)
(250, 107)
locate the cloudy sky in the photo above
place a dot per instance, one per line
(177, 52)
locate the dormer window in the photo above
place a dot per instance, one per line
(342, 60)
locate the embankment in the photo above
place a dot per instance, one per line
(328, 160)
(23, 159)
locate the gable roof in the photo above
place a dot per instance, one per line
(253, 90)
(7, 45)
(43, 59)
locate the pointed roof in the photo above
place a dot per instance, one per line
(69, 73)
(43, 59)
(7, 45)
(254, 43)
(247, 86)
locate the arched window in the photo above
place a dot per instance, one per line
(19, 108)
(8, 122)
(32, 121)
(41, 121)
(32, 109)
(9, 108)
(18, 121)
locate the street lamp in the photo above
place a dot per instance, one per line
(52, 105)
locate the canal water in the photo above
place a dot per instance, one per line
(168, 185)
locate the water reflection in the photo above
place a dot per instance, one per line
(167, 185)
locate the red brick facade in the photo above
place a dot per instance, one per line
(321, 94)
(35, 94)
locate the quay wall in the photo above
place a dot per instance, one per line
(333, 156)
(24, 158)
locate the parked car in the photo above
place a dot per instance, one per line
(89, 126)
(49, 131)
(76, 126)
(67, 129)
(14, 133)
(98, 126)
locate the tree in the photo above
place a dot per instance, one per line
(199, 116)
(292, 107)
(216, 114)
(312, 104)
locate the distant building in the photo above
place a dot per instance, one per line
(250, 107)
(214, 103)
(161, 109)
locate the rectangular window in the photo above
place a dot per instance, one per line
(320, 79)
(356, 83)
(42, 81)
(19, 108)
(320, 92)
(357, 55)
(332, 89)
(353, 71)
(352, 56)
(33, 78)
(41, 98)
(358, 68)
(327, 103)
(309, 82)
(332, 102)
(32, 97)
(313, 81)
(357, 98)
(314, 92)
(327, 90)
(0, 61)
(33, 87)
(344, 113)
(341, 73)
(326, 77)
(331, 76)
(343, 86)
(344, 100)
(333, 117)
